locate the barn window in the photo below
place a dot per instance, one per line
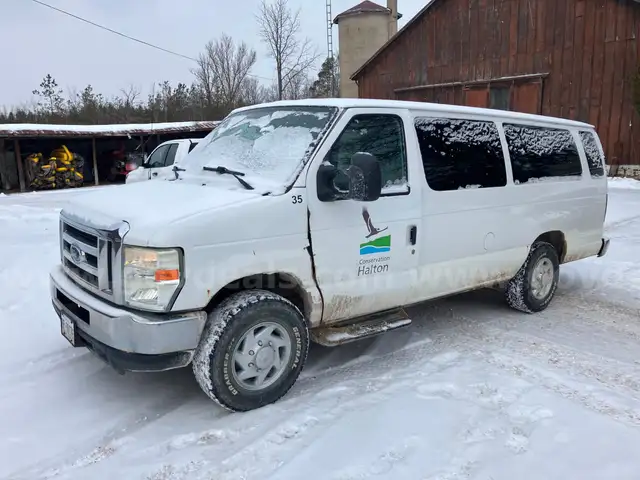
(499, 97)
(595, 158)
(379, 135)
(542, 153)
(460, 154)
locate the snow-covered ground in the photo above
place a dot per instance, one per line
(472, 390)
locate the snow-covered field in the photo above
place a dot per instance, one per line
(472, 390)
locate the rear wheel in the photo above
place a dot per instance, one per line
(535, 284)
(252, 350)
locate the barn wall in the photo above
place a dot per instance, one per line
(589, 48)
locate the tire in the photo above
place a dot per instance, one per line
(522, 292)
(223, 342)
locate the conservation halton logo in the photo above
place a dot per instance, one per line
(374, 264)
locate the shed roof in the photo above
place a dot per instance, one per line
(24, 130)
(363, 7)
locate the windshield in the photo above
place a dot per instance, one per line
(271, 143)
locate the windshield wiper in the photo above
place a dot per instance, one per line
(177, 169)
(224, 170)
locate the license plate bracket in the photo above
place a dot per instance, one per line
(68, 329)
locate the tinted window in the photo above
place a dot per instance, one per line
(594, 156)
(157, 157)
(538, 153)
(192, 145)
(380, 135)
(460, 154)
(171, 155)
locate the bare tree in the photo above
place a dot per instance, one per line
(130, 96)
(280, 31)
(223, 68)
(253, 92)
(299, 87)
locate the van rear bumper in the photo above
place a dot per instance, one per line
(605, 247)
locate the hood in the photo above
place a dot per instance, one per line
(147, 206)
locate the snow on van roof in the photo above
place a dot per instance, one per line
(49, 130)
(440, 108)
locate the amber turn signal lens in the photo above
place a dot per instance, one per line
(167, 275)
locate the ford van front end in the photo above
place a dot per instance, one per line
(114, 298)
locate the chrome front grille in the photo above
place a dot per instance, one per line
(92, 256)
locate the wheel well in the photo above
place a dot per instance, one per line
(557, 239)
(281, 284)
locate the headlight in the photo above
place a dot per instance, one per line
(151, 277)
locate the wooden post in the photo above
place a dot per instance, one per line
(16, 149)
(95, 162)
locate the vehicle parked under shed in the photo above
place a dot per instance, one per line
(101, 146)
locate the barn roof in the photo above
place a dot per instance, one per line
(416, 17)
(422, 12)
(25, 130)
(363, 7)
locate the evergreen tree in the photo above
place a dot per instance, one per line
(50, 95)
(327, 84)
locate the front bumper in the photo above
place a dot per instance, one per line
(605, 247)
(127, 340)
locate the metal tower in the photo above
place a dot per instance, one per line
(330, 45)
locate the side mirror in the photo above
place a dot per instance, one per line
(327, 191)
(365, 178)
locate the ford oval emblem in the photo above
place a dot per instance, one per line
(77, 255)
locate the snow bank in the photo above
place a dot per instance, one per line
(628, 183)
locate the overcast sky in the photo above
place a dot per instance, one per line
(35, 40)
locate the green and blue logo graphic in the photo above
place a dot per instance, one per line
(379, 245)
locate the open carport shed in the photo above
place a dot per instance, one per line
(18, 141)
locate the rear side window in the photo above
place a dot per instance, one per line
(539, 154)
(595, 158)
(460, 154)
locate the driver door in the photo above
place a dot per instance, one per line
(366, 253)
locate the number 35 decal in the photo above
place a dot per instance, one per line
(296, 198)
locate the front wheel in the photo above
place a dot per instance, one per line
(535, 284)
(252, 350)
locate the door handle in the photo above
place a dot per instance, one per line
(155, 174)
(413, 234)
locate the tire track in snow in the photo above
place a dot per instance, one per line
(108, 443)
(490, 345)
(292, 434)
(611, 373)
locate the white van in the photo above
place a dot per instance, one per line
(159, 164)
(321, 220)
